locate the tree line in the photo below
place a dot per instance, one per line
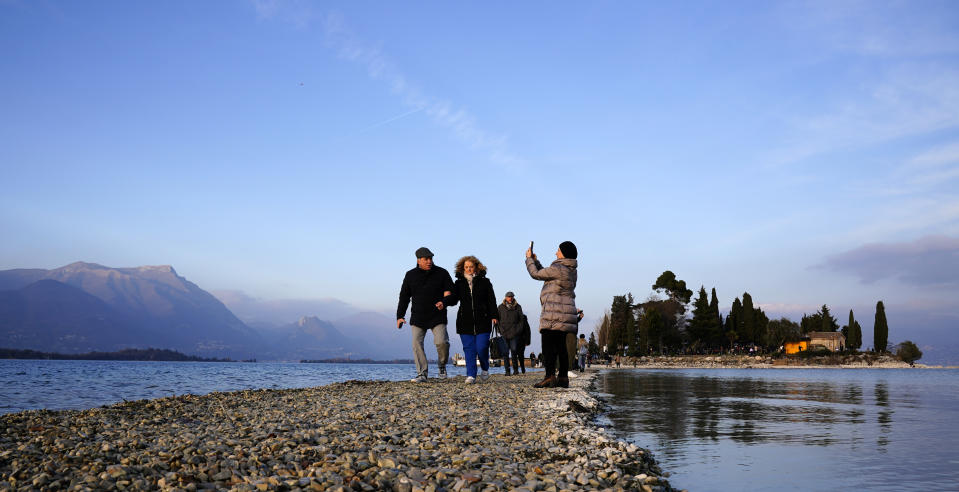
(149, 354)
(670, 322)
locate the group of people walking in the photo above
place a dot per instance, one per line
(430, 290)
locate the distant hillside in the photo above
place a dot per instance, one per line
(53, 316)
(85, 306)
(309, 337)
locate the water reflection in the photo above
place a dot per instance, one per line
(774, 424)
(743, 409)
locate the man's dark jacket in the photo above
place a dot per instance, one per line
(510, 319)
(426, 287)
(477, 307)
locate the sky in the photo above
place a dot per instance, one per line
(805, 152)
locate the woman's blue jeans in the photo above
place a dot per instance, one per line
(476, 345)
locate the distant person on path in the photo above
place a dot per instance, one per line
(582, 348)
(511, 327)
(559, 315)
(426, 285)
(476, 315)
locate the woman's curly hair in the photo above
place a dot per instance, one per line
(480, 267)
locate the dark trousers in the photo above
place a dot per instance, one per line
(554, 346)
(516, 349)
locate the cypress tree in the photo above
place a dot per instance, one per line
(732, 322)
(851, 331)
(699, 326)
(880, 329)
(620, 323)
(858, 334)
(748, 322)
(716, 332)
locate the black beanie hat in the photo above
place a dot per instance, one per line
(568, 249)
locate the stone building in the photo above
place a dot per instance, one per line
(832, 340)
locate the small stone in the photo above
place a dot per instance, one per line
(223, 475)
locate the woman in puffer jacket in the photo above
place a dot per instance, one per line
(476, 313)
(559, 315)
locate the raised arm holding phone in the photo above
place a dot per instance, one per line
(559, 316)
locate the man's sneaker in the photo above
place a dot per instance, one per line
(470, 380)
(442, 374)
(418, 379)
(484, 376)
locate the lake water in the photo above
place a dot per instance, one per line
(792, 429)
(72, 384)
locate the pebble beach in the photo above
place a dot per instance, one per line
(357, 435)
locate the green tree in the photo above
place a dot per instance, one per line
(857, 333)
(672, 311)
(880, 329)
(827, 322)
(716, 331)
(747, 324)
(644, 324)
(700, 327)
(853, 333)
(730, 331)
(821, 320)
(673, 287)
(602, 330)
(908, 352)
(652, 328)
(620, 323)
(592, 346)
(779, 331)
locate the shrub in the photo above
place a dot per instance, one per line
(908, 352)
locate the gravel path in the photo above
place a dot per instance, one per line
(358, 435)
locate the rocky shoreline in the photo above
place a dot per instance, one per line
(357, 435)
(837, 361)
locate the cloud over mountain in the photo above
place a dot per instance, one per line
(931, 261)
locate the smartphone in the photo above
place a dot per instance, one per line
(531, 245)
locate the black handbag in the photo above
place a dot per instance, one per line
(497, 346)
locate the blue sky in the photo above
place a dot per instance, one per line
(805, 152)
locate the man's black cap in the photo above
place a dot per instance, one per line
(424, 252)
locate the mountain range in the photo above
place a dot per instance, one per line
(85, 307)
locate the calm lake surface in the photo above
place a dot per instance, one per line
(73, 384)
(791, 429)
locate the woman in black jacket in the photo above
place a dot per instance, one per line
(476, 315)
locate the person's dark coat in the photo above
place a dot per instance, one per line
(510, 319)
(426, 287)
(477, 305)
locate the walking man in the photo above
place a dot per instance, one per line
(426, 285)
(511, 327)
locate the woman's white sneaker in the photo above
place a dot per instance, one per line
(470, 380)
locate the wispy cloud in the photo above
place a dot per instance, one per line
(909, 100)
(894, 29)
(391, 119)
(931, 261)
(380, 67)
